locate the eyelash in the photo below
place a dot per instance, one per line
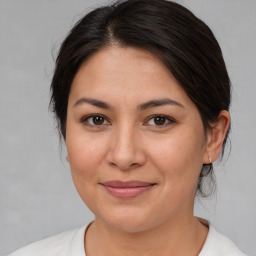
(85, 119)
(167, 119)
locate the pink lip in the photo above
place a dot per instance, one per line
(128, 189)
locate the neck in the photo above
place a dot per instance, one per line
(183, 236)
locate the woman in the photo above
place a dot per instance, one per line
(141, 95)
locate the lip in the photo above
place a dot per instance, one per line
(127, 189)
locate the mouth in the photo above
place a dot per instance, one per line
(128, 189)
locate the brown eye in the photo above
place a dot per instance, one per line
(98, 120)
(95, 120)
(159, 120)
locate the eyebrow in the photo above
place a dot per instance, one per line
(141, 107)
(160, 102)
(94, 102)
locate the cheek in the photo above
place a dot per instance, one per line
(179, 164)
(85, 155)
(85, 159)
(179, 157)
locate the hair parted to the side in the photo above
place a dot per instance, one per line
(184, 43)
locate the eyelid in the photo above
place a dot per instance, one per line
(85, 118)
(168, 118)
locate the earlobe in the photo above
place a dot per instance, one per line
(216, 137)
(210, 159)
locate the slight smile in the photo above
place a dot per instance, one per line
(128, 189)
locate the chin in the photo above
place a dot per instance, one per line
(129, 220)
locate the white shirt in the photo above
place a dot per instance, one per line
(71, 243)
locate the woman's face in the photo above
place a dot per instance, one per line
(136, 143)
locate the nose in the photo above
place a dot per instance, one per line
(125, 150)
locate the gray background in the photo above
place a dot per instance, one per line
(37, 196)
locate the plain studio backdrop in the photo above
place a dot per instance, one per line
(37, 195)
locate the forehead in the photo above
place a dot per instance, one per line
(125, 63)
(114, 60)
(127, 73)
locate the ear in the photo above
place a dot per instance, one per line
(216, 136)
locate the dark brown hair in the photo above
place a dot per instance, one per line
(183, 42)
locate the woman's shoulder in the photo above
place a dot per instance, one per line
(67, 243)
(218, 244)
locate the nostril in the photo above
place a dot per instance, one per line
(124, 166)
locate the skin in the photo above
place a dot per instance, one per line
(129, 144)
